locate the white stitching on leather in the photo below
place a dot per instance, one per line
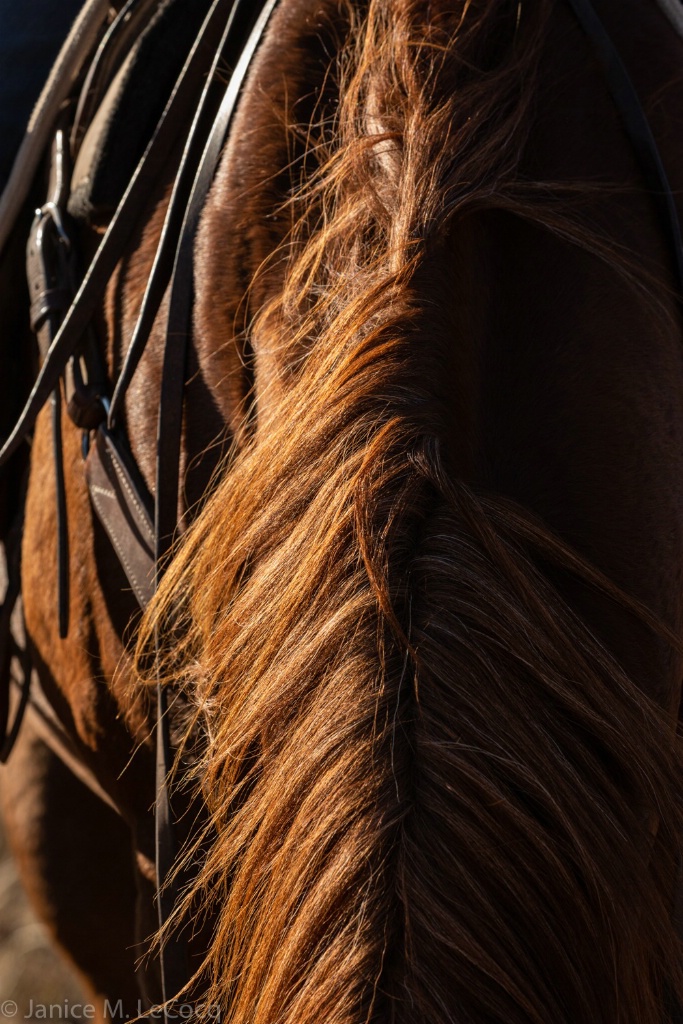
(121, 477)
(96, 489)
(130, 571)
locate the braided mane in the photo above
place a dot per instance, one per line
(430, 788)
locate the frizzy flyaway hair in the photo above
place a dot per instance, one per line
(431, 790)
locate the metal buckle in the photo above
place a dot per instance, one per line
(54, 213)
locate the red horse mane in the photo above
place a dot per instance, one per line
(431, 789)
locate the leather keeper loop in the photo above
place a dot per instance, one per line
(86, 408)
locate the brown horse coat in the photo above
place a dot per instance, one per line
(435, 321)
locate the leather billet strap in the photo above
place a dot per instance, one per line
(125, 509)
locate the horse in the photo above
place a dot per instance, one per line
(420, 633)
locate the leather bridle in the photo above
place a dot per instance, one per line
(141, 528)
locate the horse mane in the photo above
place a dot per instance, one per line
(433, 794)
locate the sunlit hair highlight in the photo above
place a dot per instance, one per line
(431, 790)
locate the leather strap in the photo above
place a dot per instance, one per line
(162, 268)
(125, 509)
(51, 276)
(117, 496)
(181, 302)
(122, 226)
(169, 433)
(110, 53)
(637, 128)
(124, 222)
(75, 53)
(63, 589)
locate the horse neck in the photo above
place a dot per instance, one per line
(539, 357)
(522, 340)
(388, 666)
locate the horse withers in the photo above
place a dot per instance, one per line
(420, 639)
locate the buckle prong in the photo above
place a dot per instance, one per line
(52, 211)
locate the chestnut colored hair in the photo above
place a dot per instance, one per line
(431, 790)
